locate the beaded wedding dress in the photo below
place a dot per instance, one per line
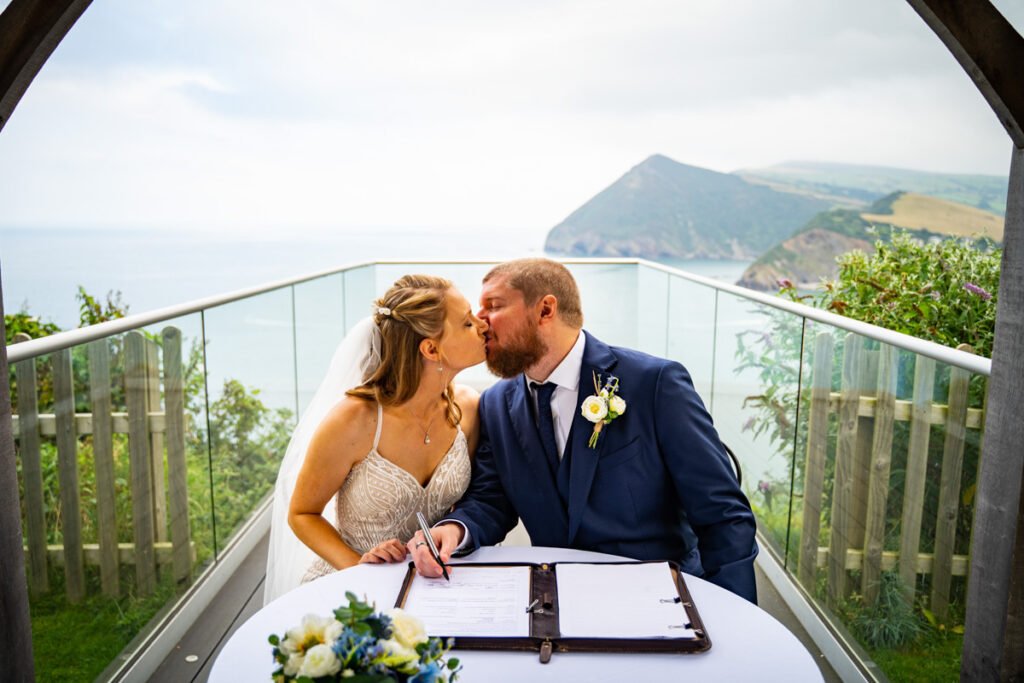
(379, 500)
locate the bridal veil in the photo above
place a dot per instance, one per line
(355, 359)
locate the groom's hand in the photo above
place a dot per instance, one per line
(446, 537)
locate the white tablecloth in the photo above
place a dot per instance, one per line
(747, 644)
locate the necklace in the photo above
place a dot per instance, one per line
(426, 432)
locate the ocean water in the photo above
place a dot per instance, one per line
(41, 269)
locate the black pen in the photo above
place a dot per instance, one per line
(430, 544)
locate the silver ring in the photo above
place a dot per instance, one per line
(418, 544)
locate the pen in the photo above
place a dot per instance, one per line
(430, 544)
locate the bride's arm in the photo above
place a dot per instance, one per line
(468, 399)
(343, 439)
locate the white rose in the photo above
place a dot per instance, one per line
(310, 632)
(594, 409)
(617, 405)
(407, 629)
(292, 666)
(320, 661)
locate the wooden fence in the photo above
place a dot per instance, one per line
(160, 518)
(866, 410)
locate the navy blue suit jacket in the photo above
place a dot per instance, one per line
(658, 486)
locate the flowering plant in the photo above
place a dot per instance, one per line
(604, 406)
(359, 645)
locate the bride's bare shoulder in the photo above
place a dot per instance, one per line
(467, 397)
(350, 424)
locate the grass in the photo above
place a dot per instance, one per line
(932, 659)
(77, 642)
(916, 211)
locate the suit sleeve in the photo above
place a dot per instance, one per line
(702, 474)
(484, 508)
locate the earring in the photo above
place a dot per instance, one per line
(440, 368)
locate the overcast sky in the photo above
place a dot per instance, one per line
(324, 115)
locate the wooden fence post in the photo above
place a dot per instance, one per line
(103, 456)
(867, 383)
(177, 473)
(31, 471)
(917, 471)
(814, 470)
(842, 483)
(949, 487)
(878, 487)
(67, 467)
(141, 462)
(156, 441)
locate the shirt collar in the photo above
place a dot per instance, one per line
(567, 374)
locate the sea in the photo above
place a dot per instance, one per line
(41, 269)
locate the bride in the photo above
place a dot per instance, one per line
(386, 435)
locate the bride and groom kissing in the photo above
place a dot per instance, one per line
(389, 434)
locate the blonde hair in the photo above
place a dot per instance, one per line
(538, 277)
(413, 309)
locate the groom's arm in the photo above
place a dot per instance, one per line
(715, 506)
(484, 509)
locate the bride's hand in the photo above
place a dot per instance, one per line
(391, 550)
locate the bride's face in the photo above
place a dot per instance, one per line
(463, 342)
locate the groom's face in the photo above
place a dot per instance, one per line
(513, 341)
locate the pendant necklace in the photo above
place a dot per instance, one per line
(426, 432)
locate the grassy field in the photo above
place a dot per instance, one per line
(917, 211)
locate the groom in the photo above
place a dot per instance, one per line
(657, 485)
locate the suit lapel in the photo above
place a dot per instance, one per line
(597, 358)
(520, 412)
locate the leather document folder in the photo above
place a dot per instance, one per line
(559, 607)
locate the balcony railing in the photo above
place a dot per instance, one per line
(146, 443)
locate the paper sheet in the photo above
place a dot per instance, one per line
(619, 601)
(478, 601)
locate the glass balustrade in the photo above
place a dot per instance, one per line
(142, 454)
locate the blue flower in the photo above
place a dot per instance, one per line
(430, 673)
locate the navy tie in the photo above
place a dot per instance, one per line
(545, 422)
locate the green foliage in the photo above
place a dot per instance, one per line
(92, 311)
(888, 623)
(944, 291)
(24, 322)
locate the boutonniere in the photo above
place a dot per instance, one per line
(604, 406)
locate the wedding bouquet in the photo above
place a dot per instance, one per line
(359, 645)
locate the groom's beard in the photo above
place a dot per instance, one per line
(516, 354)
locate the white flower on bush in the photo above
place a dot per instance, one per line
(407, 629)
(594, 408)
(320, 661)
(617, 405)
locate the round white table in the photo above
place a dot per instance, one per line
(747, 644)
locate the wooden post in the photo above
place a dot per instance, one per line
(16, 644)
(32, 471)
(141, 462)
(103, 461)
(917, 471)
(156, 441)
(177, 473)
(842, 484)
(997, 508)
(67, 468)
(814, 470)
(862, 451)
(878, 487)
(949, 487)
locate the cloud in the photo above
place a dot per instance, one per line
(236, 115)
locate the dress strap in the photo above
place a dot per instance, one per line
(380, 422)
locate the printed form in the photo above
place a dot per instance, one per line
(478, 601)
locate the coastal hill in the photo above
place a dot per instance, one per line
(665, 209)
(809, 256)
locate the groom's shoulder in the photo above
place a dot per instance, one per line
(639, 360)
(499, 390)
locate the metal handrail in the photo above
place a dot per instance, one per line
(62, 340)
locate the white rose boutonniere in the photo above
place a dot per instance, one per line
(604, 406)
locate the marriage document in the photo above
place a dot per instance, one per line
(478, 601)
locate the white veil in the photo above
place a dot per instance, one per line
(355, 359)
